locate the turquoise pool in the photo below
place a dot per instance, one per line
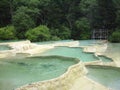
(108, 76)
(53, 42)
(16, 72)
(89, 42)
(74, 52)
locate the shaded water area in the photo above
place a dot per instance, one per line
(75, 52)
(108, 76)
(105, 59)
(4, 47)
(16, 72)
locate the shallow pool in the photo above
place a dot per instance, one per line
(20, 71)
(108, 76)
(74, 52)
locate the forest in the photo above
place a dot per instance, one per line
(43, 20)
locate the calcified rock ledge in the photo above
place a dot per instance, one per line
(73, 79)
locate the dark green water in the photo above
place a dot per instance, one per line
(20, 71)
(108, 76)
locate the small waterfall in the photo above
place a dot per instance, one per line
(22, 46)
(100, 34)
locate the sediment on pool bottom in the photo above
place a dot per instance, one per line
(64, 82)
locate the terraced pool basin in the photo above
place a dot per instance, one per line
(4, 47)
(16, 72)
(108, 76)
(73, 52)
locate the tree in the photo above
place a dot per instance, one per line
(85, 6)
(23, 20)
(5, 15)
(82, 27)
(106, 14)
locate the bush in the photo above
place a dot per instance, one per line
(40, 33)
(7, 33)
(115, 37)
(65, 32)
(55, 38)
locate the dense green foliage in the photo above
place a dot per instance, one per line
(7, 33)
(63, 19)
(82, 27)
(5, 15)
(40, 33)
(106, 14)
(22, 21)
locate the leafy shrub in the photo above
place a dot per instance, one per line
(7, 33)
(115, 37)
(40, 33)
(64, 32)
(55, 38)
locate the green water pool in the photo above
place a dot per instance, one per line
(89, 42)
(108, 76)
(16, 72)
